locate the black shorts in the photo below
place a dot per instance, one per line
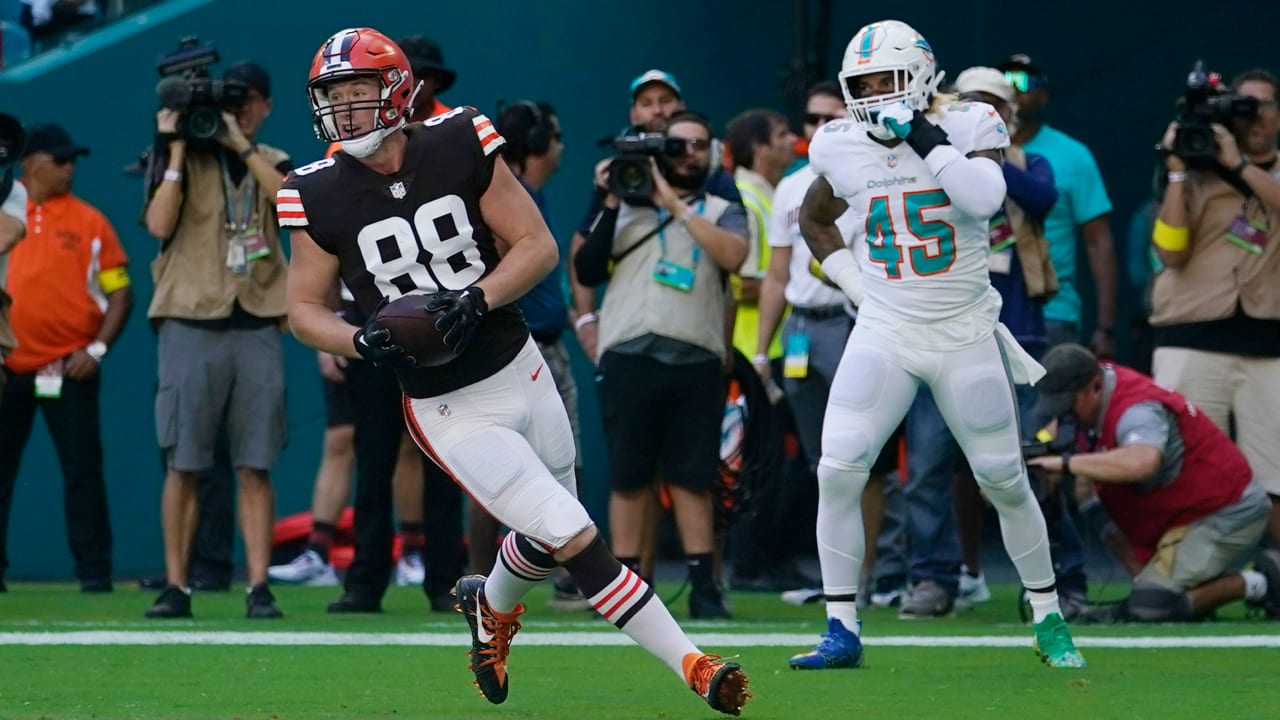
(339, 409)
(661, 418)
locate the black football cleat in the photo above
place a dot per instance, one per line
(491, 635)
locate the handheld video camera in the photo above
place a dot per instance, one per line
(186, 86)
(629, 176)
(1205, 102)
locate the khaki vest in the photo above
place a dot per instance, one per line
(1219, 276)
(1031, 245)
(192, 280)
(636, 304)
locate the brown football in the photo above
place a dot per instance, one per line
(413, 327)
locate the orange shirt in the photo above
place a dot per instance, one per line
(437, 109)
(54, 278)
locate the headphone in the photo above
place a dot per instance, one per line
(538, 137)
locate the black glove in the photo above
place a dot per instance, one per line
(373, 342)
(460, 314)
(925, 136)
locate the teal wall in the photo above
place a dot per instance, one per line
(1115, 69)
(572, 54)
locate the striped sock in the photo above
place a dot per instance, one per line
(521, 565)
(627, 601)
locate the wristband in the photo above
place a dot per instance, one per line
(760, 359)
(1167, 237)
(585, 319)
(96, 350)
(245, 153)
(173, 175)
(1177, 176)
(688, 215)
(1240, 166)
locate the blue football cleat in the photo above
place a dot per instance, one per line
(839, 648)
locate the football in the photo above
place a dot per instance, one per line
(413, 327)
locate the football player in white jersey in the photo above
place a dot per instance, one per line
(921, 174)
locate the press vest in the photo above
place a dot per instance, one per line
(1031, 245)
(636, 304)
(1219, 276)
(1214, 472)
(192, 280)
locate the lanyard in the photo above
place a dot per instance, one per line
(662, 235)
(251, 191)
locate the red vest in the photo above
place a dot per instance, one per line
(1214, 473)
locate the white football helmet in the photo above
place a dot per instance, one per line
(889, 46)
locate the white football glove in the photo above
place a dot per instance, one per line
(895, 120)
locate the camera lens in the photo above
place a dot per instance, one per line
(203, 123)
(632, 176)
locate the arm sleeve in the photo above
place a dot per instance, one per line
(592, 259)
(15, 205)
(1029, 188)
(975, 185)
(589, 217)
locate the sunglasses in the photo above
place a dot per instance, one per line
(820, 119)
(1022, 80)
(694, 144)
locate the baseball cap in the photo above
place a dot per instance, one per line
(1023, 72)
(1068, 368)
(251, 74)
(426, 58)
(987, 80)
(54, 140)
(655, 76)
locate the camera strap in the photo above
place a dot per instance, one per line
(662, 236)
(639, 243)
(229, 192)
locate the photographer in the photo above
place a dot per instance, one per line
(1216, 304)
(219, 307)
(1156, 470)
(13, 225)
(662, 345)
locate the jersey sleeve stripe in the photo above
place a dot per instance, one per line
(293, 222)
(287, 194)
(492, 142)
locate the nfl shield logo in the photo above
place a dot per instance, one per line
(397, 191)
(890, 160)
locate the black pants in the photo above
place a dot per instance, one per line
(379, 424)
(74, 425)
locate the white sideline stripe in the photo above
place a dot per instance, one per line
(716, 640)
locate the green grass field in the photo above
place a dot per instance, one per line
(67, 655)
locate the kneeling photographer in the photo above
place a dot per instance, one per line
(666, 249)
(1154, 469)
(218, 305)
(1216, 304)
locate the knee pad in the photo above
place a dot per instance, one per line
(543, 510)
(998, 472)
(847, 449)
(1152, 603)
(984, 401)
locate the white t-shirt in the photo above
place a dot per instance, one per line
(15, 206)
(803, 288)
(923, 261)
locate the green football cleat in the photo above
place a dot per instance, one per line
(1054, 645)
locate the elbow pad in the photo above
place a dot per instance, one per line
(975, 185)
(842, 269)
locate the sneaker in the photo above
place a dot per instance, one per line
(260, 604)
(1054, 644)
(926, 599)
(410, 571)
(803, 596)
(567, 596)
(1073, 604)
(349, 603)
(723, 685)
(1268, 563)
(838, 648)
(174, 602)
(707, 603)
(973, 588)
(491, 636)
(306, 569)
(889, 597)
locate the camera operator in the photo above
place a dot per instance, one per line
(219, 307)
(662, 345)
(1216, 303)
(1157, 470)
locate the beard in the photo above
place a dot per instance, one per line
(691, 180)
